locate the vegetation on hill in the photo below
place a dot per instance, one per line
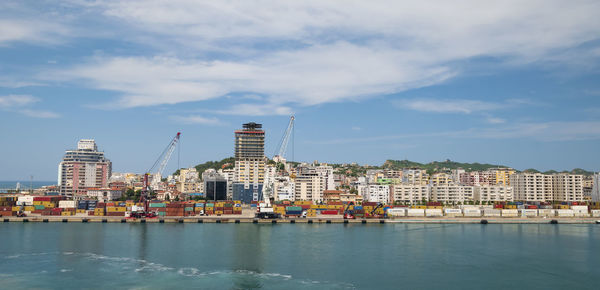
(226, 163)
(359, 170)
(437, 166)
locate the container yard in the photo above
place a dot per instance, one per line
(56, 208)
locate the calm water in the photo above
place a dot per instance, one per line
(335, 256)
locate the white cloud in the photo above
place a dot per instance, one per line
(494, 120)
(32, 31)
(256, 110)
(12, 101)
(448, 106)
(195, 119)
(39, 114)
(22, 104)
(356, 128)
(314, 52)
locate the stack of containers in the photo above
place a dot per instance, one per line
(279, 210)
(293, 210)
(199, 207)
(159, 207)
(228, 208)
(115, 210)
(189, 209)
(219, 207)
(209, 208)
(8, 201)
(100, 209)
(359, 211)
(237, 208)
(175, 209)
(311, 212)
(24, 200)
(6, 211)
(82, 206)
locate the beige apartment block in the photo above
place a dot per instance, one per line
(493, 193)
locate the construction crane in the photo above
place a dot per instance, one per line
(282, 148)
(159, 165)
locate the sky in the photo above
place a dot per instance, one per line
(515, 83)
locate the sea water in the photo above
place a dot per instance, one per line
(298, 256)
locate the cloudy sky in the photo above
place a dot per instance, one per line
(507, 82)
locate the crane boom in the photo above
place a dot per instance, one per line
(161, 162)
(282, 148)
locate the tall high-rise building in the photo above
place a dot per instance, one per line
(83, 168)
(250, 163)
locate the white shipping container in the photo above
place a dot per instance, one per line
(528, 212)
(66, 204)
(433, 212)
(491, 212)
(415, 212)
(565, 212)
(579, 208)
(546, 212)
(472, 212)
(453, 212)
(396, 212)
(137, 208)
(510, 213)
(596, 212)
(25, 200)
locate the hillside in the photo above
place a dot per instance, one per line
(438, 165)
(228, 162)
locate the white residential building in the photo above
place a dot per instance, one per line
(547, 188)
(568, 187)
(309, 185)
(491, 193)
(532, 187)
(326, 172)
(378, 193)
(452, 194)
(415, 176)
(409, 193)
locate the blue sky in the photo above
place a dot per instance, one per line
(509, 82)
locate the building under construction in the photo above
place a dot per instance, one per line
(250, 163)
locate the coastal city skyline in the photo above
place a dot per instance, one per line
(314, 144)
(455, 85)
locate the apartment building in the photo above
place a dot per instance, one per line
(452, 194)
(83, 168)
(493, 193)
(567, 187)
(378, 193)
(532, 187)
(409, 193)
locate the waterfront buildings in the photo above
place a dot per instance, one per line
(215, 185)
(493, 193)
(83, 168)
(409, 194)
(452, 194)
(309, 185)
(547, 188)
(378, 193)
(104, 194)
(188, 181)
(250, 163)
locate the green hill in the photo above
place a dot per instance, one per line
(225, 163)
(436, 166)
